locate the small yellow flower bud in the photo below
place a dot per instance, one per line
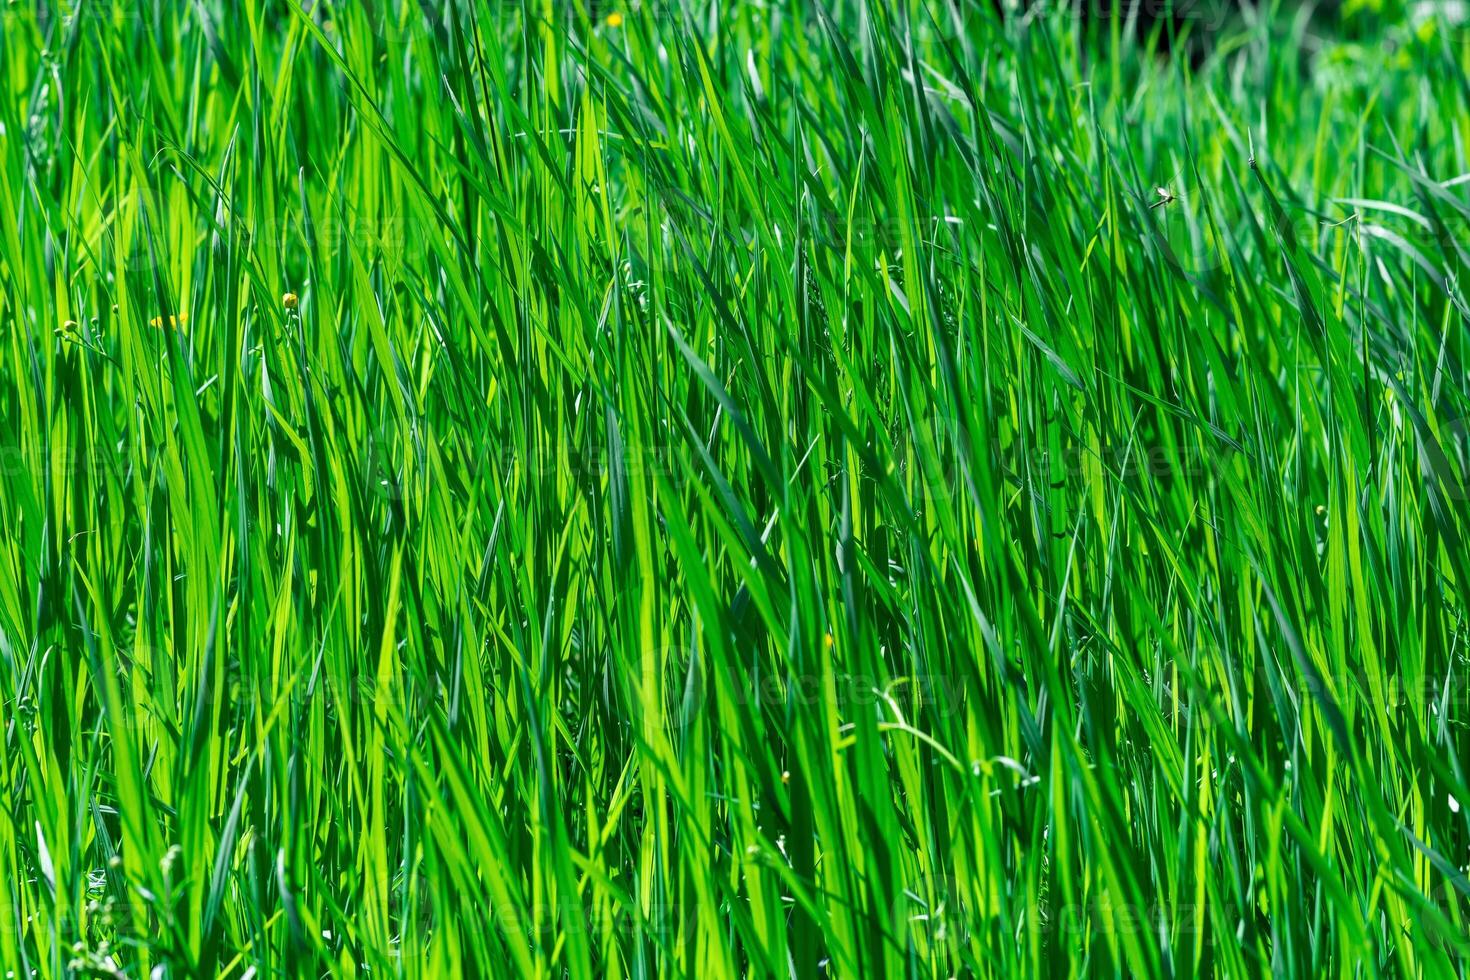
(290, 301)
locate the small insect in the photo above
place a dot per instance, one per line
(1166, 196)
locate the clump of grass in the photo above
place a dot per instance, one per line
(842, 489)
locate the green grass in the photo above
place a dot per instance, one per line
(748, 489)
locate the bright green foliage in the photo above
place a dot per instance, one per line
(802, 488)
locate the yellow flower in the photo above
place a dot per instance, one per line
(173, 321)
(614, 19)
(828, 642)
(290, 301)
